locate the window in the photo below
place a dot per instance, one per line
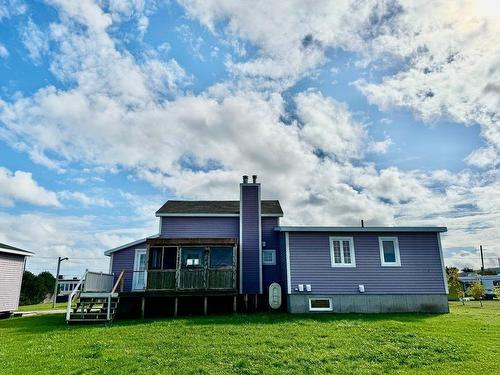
(169, 258)
(154, 258)
(193, 257)
(269, 257)
(389, 251)
(221, 257)
(320, 304)
(342, 252)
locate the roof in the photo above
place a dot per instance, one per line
(137, 242)
(358, 229)
(215, 208)
(14, 250)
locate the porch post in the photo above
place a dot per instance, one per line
(176, 302)
(205, 305)
(235, 304)
(143, 306)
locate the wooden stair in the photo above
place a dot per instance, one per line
(93, 309)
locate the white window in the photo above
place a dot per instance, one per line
(342, 252)
(269, 257)
(320, 304)
(389, 251)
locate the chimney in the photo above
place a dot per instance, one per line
(250, 239)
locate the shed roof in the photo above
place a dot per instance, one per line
(4, 248)
(358, 229)
(215, 208)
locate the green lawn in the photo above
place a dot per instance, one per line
(43, 306)
(466, 341)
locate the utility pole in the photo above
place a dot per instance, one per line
(482, 259)
(59, 260)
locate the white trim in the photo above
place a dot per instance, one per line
(16, 252)
(145, 251)
(110, 263)
(260, 239)
(207, 214)
(445, 278)
(320, 308)
(395, 241)
(351, 251)
(241, 239)
(273, 261)
(287, 251)
(110, 251)
(358, 229)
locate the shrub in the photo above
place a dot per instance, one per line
(476, 290)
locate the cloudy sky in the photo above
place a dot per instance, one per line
(387, 111)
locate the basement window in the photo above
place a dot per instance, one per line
(320, 304)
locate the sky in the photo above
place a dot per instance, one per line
(381, 110)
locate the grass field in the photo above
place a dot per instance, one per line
(42, 306)
(466, 341)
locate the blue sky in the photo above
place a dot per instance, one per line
(382, 111)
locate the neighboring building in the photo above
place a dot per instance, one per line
(489, 282)
(65, 285)
(12, 263)
(216, 251)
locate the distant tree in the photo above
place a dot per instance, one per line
(467, 270)
(461, 295)
(34, 289)
(496, 290)
(476, 290)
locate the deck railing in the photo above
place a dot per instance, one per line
(192, 279)
(98, 282)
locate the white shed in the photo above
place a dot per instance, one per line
(12, 262)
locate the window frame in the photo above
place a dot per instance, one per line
(320, 308)
(273, 262)
(397, 255)
(351, 250)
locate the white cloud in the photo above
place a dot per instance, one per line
(35, 41)
(11, 8)
(20, 186)
(84, 199)
(4, 53)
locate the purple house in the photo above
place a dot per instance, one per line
(209, 254)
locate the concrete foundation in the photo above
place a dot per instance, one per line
(373, 303)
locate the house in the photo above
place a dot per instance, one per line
(12, 263)
(489, 282)
(65, 285)
(210, 253)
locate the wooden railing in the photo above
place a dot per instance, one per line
(76, 290)
(119, 281)
(192, 279)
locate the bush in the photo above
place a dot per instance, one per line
(476, 290)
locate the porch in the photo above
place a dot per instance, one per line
(191, 266)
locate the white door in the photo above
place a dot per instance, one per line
(139, 280)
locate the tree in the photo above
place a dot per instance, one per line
(453, 282)
(34, 289)
(467, 270)
(476, 290)
(496, 290)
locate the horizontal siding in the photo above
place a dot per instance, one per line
(123, 260)
(11, 276)
(270, 273)
(200, 227)
(420, 271)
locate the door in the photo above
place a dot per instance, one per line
(139, 279)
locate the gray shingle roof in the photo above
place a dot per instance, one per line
(268, 207)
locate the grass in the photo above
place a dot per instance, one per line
(43, 306)
(462, 342)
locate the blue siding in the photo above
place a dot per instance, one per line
(123, 260)
(200, 227)
(249, 243)
(420, 271)
(270, 273)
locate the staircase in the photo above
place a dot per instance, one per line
(97, 301)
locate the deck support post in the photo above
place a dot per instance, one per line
(246, 302)
(256, 301)
(176, 306)
(205, 305)
(235, 304)
(143, 306)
